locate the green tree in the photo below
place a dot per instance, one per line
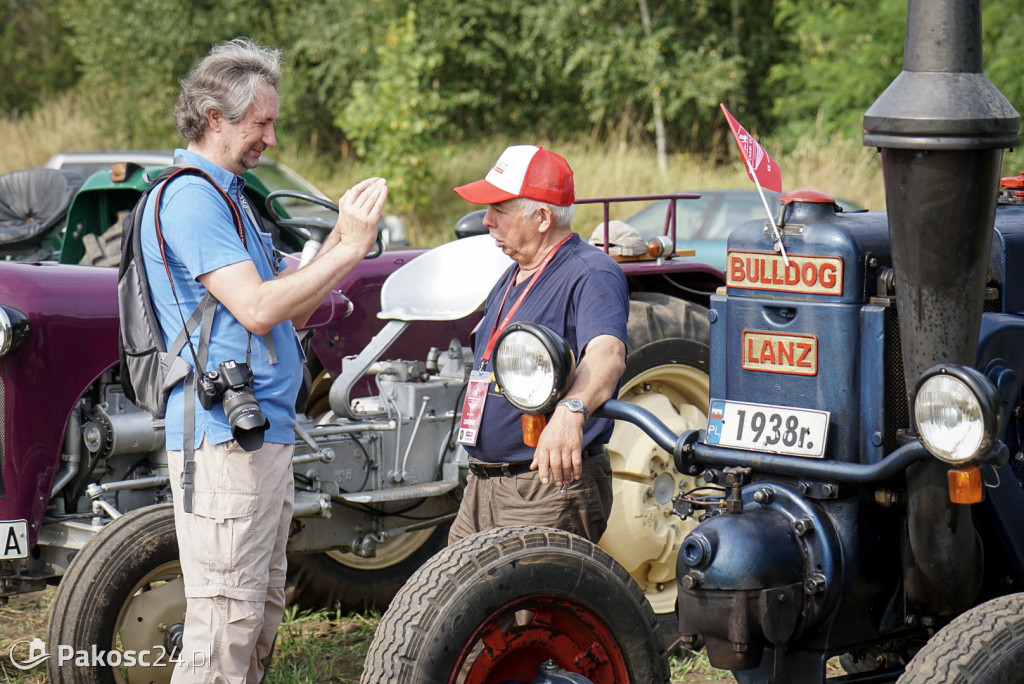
(1003, 34)
(35, 59)
(329, 46)
(133, 55)
(847, 54)
(398, 116)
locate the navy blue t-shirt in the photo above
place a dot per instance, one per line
(581, 295)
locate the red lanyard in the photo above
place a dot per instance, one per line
(496, 330)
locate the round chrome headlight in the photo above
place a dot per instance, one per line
(13, 329)
(532, 365)
(957, 413)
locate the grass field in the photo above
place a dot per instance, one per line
(842, 168)
(312, 647)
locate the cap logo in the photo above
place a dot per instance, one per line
(523, 171)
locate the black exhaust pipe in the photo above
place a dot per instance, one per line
(941, 127)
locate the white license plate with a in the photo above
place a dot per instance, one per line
(761, 427)
(13, 539)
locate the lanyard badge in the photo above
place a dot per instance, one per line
(473, 407)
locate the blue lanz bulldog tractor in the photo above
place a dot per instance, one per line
(859, 480)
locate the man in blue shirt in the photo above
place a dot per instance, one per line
(580, 293)
(232, 541)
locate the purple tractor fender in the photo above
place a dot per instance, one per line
(72, 340)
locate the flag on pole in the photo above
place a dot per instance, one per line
(761, 168)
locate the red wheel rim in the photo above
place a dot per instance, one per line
(515, 640)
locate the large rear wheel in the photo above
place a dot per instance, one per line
(347, 582)
(667, 374)
(497, 605)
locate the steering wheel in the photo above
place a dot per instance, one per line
(311, 228)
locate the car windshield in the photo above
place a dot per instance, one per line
(650, 221)
(714, 215)
(737, 209)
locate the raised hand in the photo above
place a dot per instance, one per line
(359, 213)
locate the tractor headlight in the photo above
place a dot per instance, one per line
(13, 329)
(957, 412)
(532, 366)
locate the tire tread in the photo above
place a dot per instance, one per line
(985, 645)
(403, 633)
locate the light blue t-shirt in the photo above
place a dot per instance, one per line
(200, 237)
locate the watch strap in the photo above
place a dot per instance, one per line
(576, 405)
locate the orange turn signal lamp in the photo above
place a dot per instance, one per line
(660, 246)
(118, 172)
(533, 425)
(965, 485)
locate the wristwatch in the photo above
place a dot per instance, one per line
(576, 405)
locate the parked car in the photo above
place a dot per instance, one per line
(704, 224)
(271, 174)
(87, 163)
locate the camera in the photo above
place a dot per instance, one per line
(232, 384)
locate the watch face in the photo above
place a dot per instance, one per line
(576, 405)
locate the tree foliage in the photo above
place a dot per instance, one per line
(133, 55)
(389, 81)
(35, 60)
(398, 117)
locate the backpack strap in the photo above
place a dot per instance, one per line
(208, 302)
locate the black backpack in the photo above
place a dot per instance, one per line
(149, 371)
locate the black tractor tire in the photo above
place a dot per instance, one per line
(666, 373)
(347, 583)
(122, 592)
(985, 645)
(657, 316)
(496, 605)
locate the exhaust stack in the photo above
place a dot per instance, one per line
(941, 127)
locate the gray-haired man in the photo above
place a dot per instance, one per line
(232, 535)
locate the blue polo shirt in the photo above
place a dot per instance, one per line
(200, 237)
(581, 294)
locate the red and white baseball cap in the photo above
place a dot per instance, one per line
(524, 171)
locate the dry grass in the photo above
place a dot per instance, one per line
(842, 168)
(55, 127)
(23, 619)
(620, 167)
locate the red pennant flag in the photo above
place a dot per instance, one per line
(758, 162)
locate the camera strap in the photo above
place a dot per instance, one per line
(206, 310)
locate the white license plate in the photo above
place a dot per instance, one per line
(760, 427)
(13, 539)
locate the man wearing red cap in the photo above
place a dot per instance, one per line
(580, 293)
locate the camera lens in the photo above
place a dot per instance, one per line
(247, 420)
